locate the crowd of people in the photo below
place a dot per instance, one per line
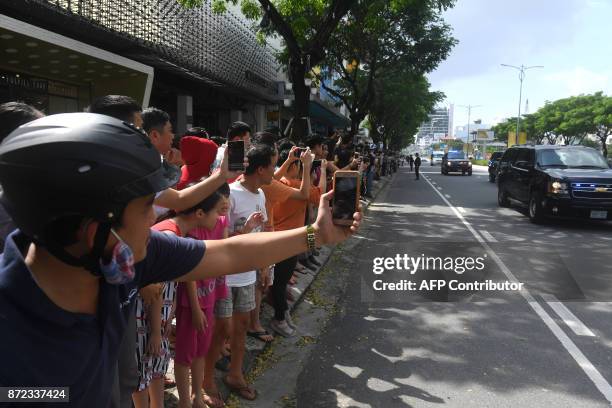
(113, 228)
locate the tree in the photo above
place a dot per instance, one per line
(576, 118)
(602, 119)
(402, 102)
(305, 27)
(377, 35)
(502, 129)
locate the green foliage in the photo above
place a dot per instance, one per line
(403, 101)
(567, 121)
(455, 144)
(379, 35)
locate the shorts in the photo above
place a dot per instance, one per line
(190, 343)
(240, 299)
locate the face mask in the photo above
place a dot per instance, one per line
(120, 269)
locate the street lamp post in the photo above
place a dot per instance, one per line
(469, 108)
(521, 70)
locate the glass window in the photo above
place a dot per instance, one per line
(577, 157)
(456, 155)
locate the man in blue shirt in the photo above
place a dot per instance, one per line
(80, 188)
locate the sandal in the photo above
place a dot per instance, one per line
(244, 391)
(259, 335)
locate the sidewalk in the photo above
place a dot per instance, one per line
(256, 348)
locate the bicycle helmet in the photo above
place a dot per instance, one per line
(77, 164)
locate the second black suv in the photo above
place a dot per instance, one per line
(493, 162)
(456, 161)
(563, 181)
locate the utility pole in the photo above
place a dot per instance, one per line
(469, 108)
(521, 70)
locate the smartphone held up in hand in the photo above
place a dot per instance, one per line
(236, 155)
(346, 196)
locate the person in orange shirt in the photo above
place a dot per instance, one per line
(276, 193)
(287, 215)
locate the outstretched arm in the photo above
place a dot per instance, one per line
(255, 251)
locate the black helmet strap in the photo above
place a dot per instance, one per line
(91, 262)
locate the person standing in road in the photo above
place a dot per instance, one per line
(417, 164)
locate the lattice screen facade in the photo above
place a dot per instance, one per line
(222, 48)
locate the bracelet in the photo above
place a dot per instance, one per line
(310, 237)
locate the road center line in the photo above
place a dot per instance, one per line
(583, 362)
(488, 236)
(567, 316)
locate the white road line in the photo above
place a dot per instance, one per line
(589, 369)
(462, 210)
(488, 236)
(567, 316)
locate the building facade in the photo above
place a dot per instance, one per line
(437, 126)
(203, 68)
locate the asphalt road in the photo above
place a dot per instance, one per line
(548, 345)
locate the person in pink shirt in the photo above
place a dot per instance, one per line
(195, 303)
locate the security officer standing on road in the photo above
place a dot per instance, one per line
(417, 165)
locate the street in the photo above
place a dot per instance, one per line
(548, 345)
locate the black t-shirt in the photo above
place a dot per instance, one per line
(44, 345)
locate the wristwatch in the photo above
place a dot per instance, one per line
(310, 237)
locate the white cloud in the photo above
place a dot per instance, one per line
(581, 80)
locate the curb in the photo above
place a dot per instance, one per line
(299, 292)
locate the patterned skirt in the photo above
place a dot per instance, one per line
(150, 367)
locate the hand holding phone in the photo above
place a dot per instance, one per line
(346, 196)
(236, 155)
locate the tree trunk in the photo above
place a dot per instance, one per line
(301, 107)
(355, 121)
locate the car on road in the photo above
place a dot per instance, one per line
(456, 162)
(556, 181)
(436, 157)
(493, 162)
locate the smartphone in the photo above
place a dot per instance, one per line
(236, 155)
(315, 164)
(298, 152)
(346, 196)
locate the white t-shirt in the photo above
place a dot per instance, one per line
(242, 204)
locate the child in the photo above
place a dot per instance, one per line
(219, 328)
(153, 361)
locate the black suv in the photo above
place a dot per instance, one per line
(493, 162)
(556, 181)
(456, 161)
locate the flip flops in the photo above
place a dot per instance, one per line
(259, 335)
(244, 391)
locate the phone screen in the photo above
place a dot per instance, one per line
(236, 155)
(345, 198)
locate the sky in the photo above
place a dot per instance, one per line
(572, 39)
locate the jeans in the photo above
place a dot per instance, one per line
(282, 274)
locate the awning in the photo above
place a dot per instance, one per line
(319, 111)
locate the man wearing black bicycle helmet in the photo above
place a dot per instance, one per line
(80, 187)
